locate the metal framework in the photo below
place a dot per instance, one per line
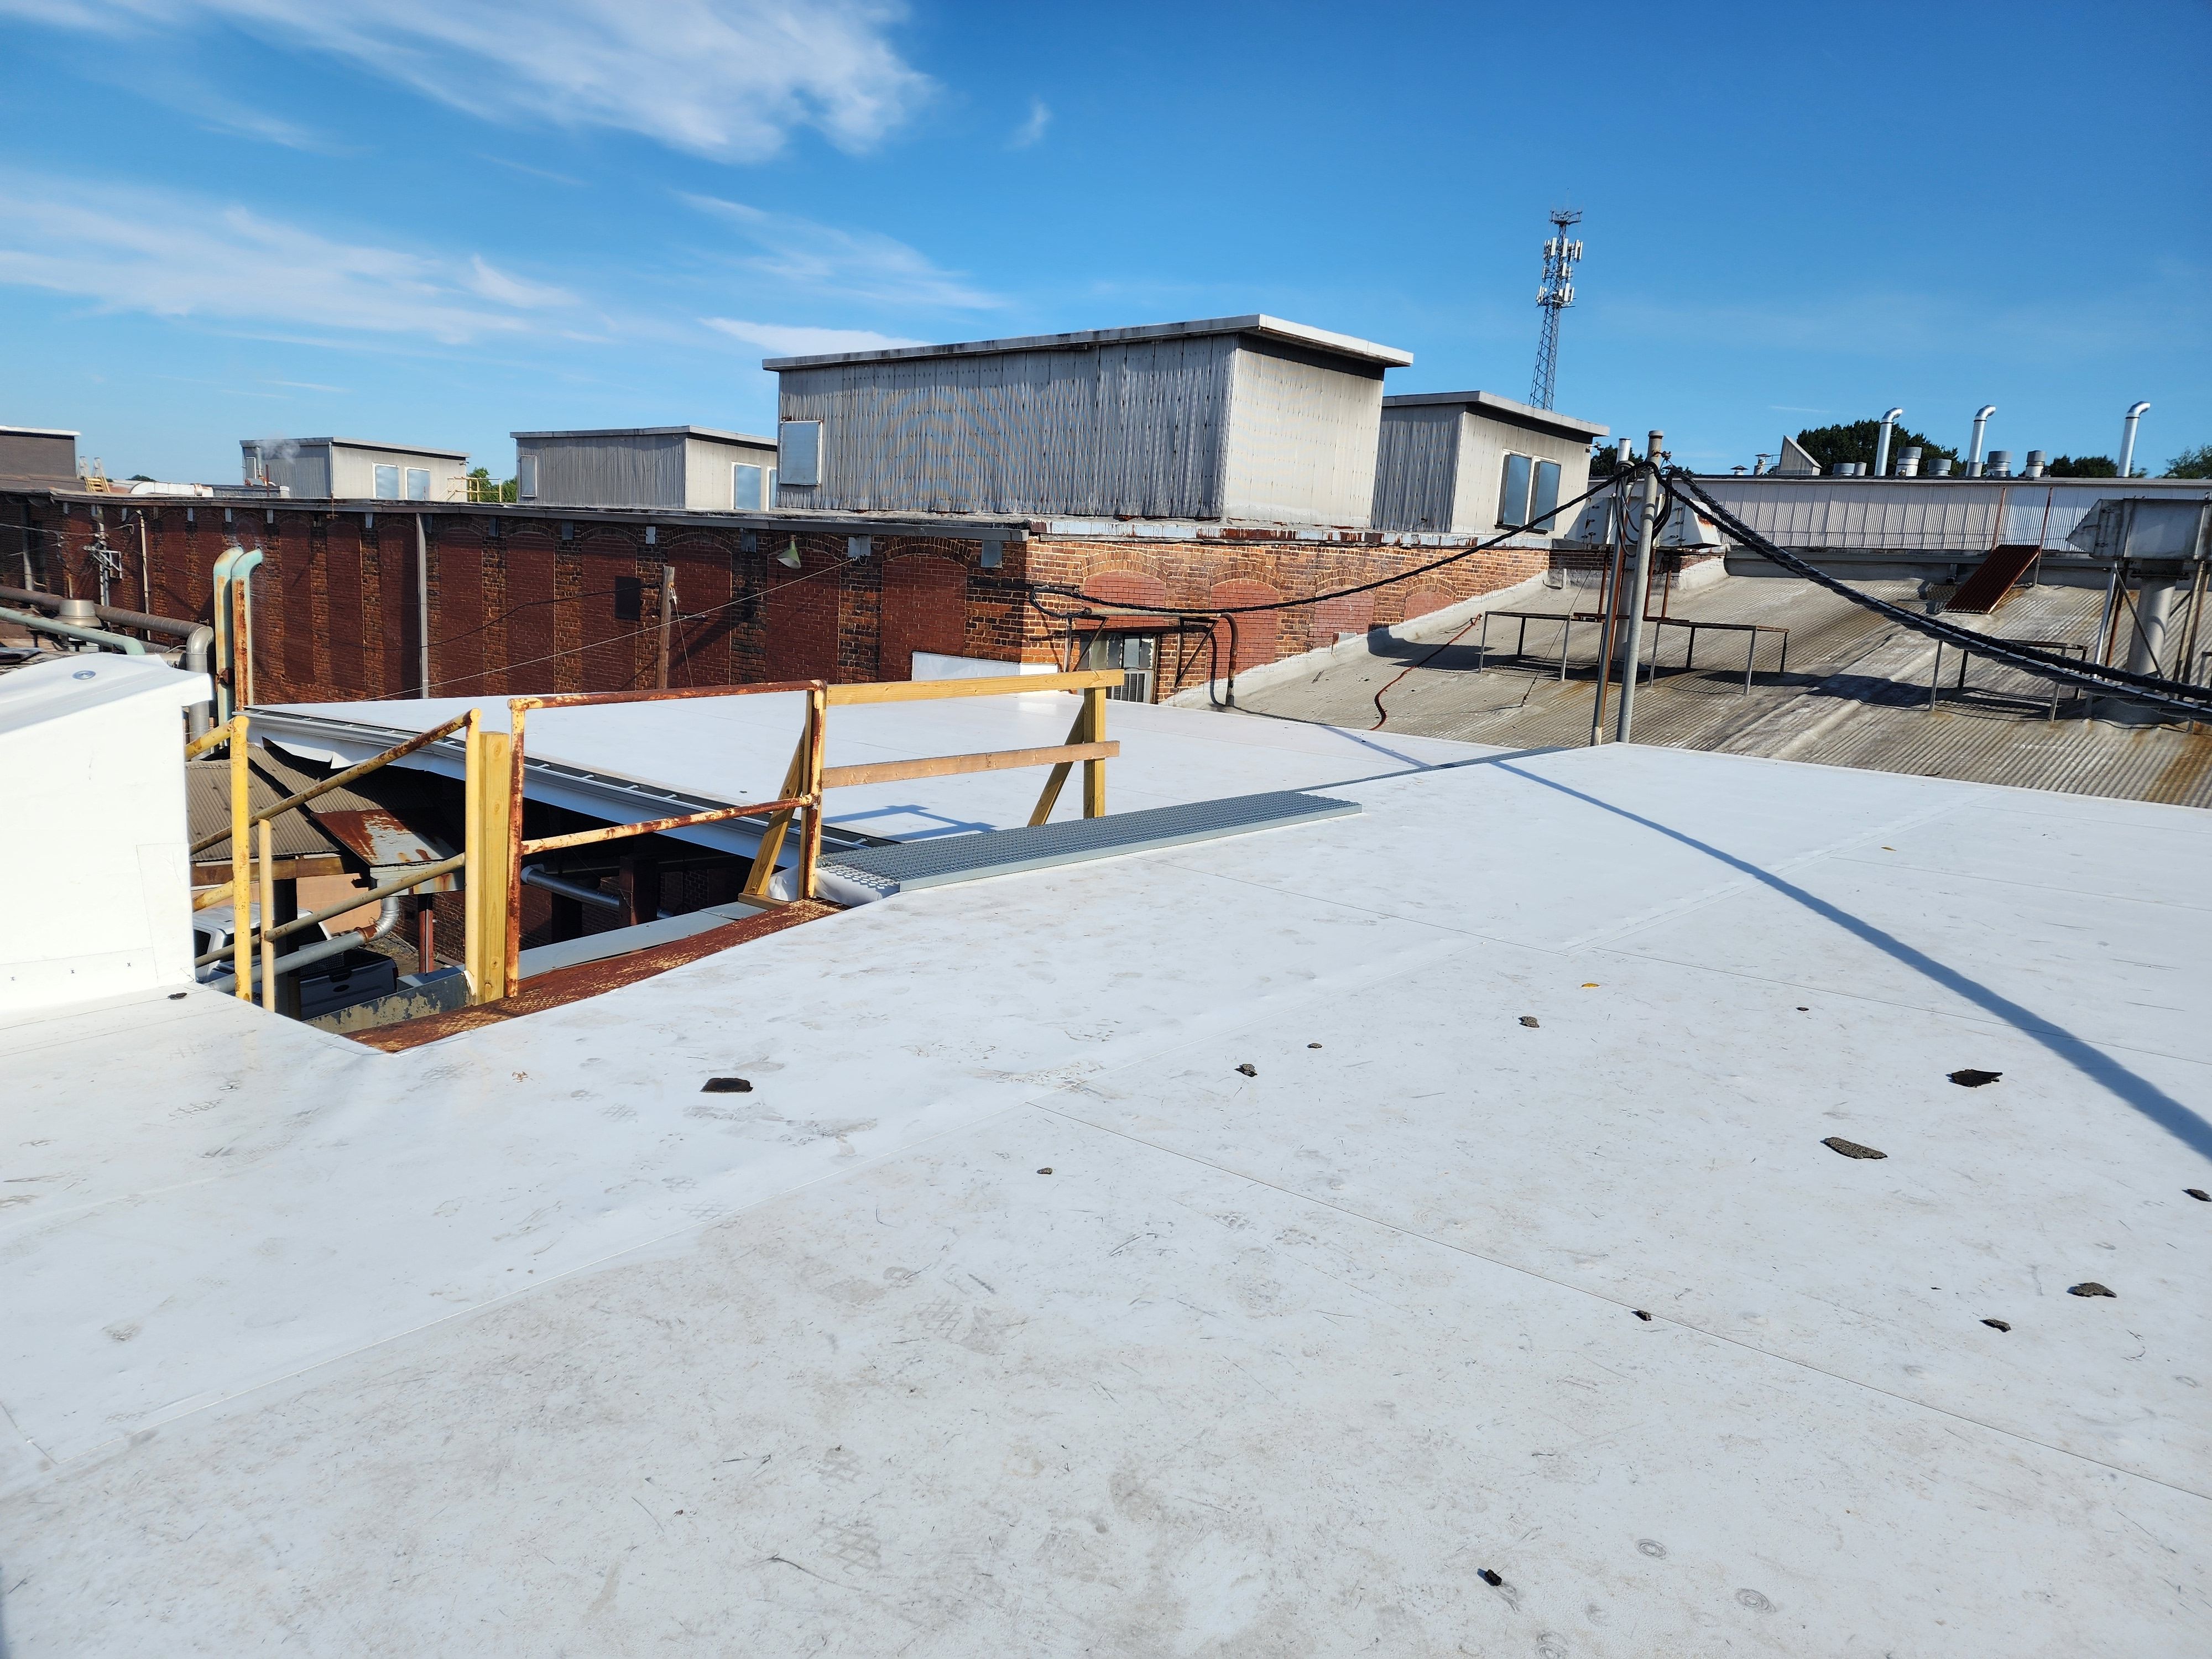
(1554, 295)
(492, 866)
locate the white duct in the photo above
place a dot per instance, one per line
(1882, 444)
(2136, 412)
(1974, 455)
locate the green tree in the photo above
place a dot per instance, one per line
(2191, 463)
(481, 487)
(1855, 442)
(2083, 466)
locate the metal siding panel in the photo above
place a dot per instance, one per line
(1416, 457)
(621, 471)
(1962, 517)
(1303, 442)
(1132, 429)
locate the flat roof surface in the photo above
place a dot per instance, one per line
(1273, 328)
(1491, 404)
(519, 1341)
(652, 432)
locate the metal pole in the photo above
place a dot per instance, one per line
(423, 603)
(1609, 600)
(1647, 524)
(667, 625)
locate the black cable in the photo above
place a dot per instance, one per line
(2190, 702)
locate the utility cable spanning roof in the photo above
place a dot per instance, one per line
(2190, 701)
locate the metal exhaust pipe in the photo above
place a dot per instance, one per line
(1974, 455)
(1882, 444)
(2136, 412)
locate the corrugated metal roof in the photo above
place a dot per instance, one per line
(1855, 693)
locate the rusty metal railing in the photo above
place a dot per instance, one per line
(493, 793)
(245, 934)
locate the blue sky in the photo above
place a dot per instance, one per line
(438, 220)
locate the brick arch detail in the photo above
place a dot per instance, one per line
(1353, 614)
(1256, 635)
(1419, 601)
(924, 608)
(1126, 587)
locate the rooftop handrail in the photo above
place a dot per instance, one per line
(335, 781)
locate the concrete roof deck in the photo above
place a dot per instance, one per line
(520, 1342)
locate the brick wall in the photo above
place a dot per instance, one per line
(1201, 576)
(526, 605)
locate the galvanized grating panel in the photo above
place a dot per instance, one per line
(916, 864)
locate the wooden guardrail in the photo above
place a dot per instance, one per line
(495, 846)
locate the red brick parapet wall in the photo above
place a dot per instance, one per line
(1206, 575)
(527, 604)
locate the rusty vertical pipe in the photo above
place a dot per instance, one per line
(511, 874)
(242, 862)
(267, 850)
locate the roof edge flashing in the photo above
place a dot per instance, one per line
(1259, 323)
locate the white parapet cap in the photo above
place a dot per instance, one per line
(1506, 409)
(1273, 328)
(37, 432)
(651, 432)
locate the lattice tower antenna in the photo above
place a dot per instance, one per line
(1555, 295)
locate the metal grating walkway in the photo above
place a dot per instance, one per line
(883, 870)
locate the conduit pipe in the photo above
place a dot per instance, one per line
(41, 624)
(532, 876)
(1974, 455)
(2136, 412)
(388, 918)
(1881, 443)
(198, 637)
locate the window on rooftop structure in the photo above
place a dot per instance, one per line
(768, 490)
(387, 484)
(1513, 493)
(1544, 497)
(418, 483)
(745, 487)
(525, 473)
(799, 453)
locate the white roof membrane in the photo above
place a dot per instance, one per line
(520, 1343)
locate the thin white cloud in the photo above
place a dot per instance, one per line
(513, 290)
(171, 255)
(518, 166)
(793, 340)
(728, 79)
(860, 263)
(1033, 130)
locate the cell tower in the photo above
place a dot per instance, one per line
(1556, 294)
